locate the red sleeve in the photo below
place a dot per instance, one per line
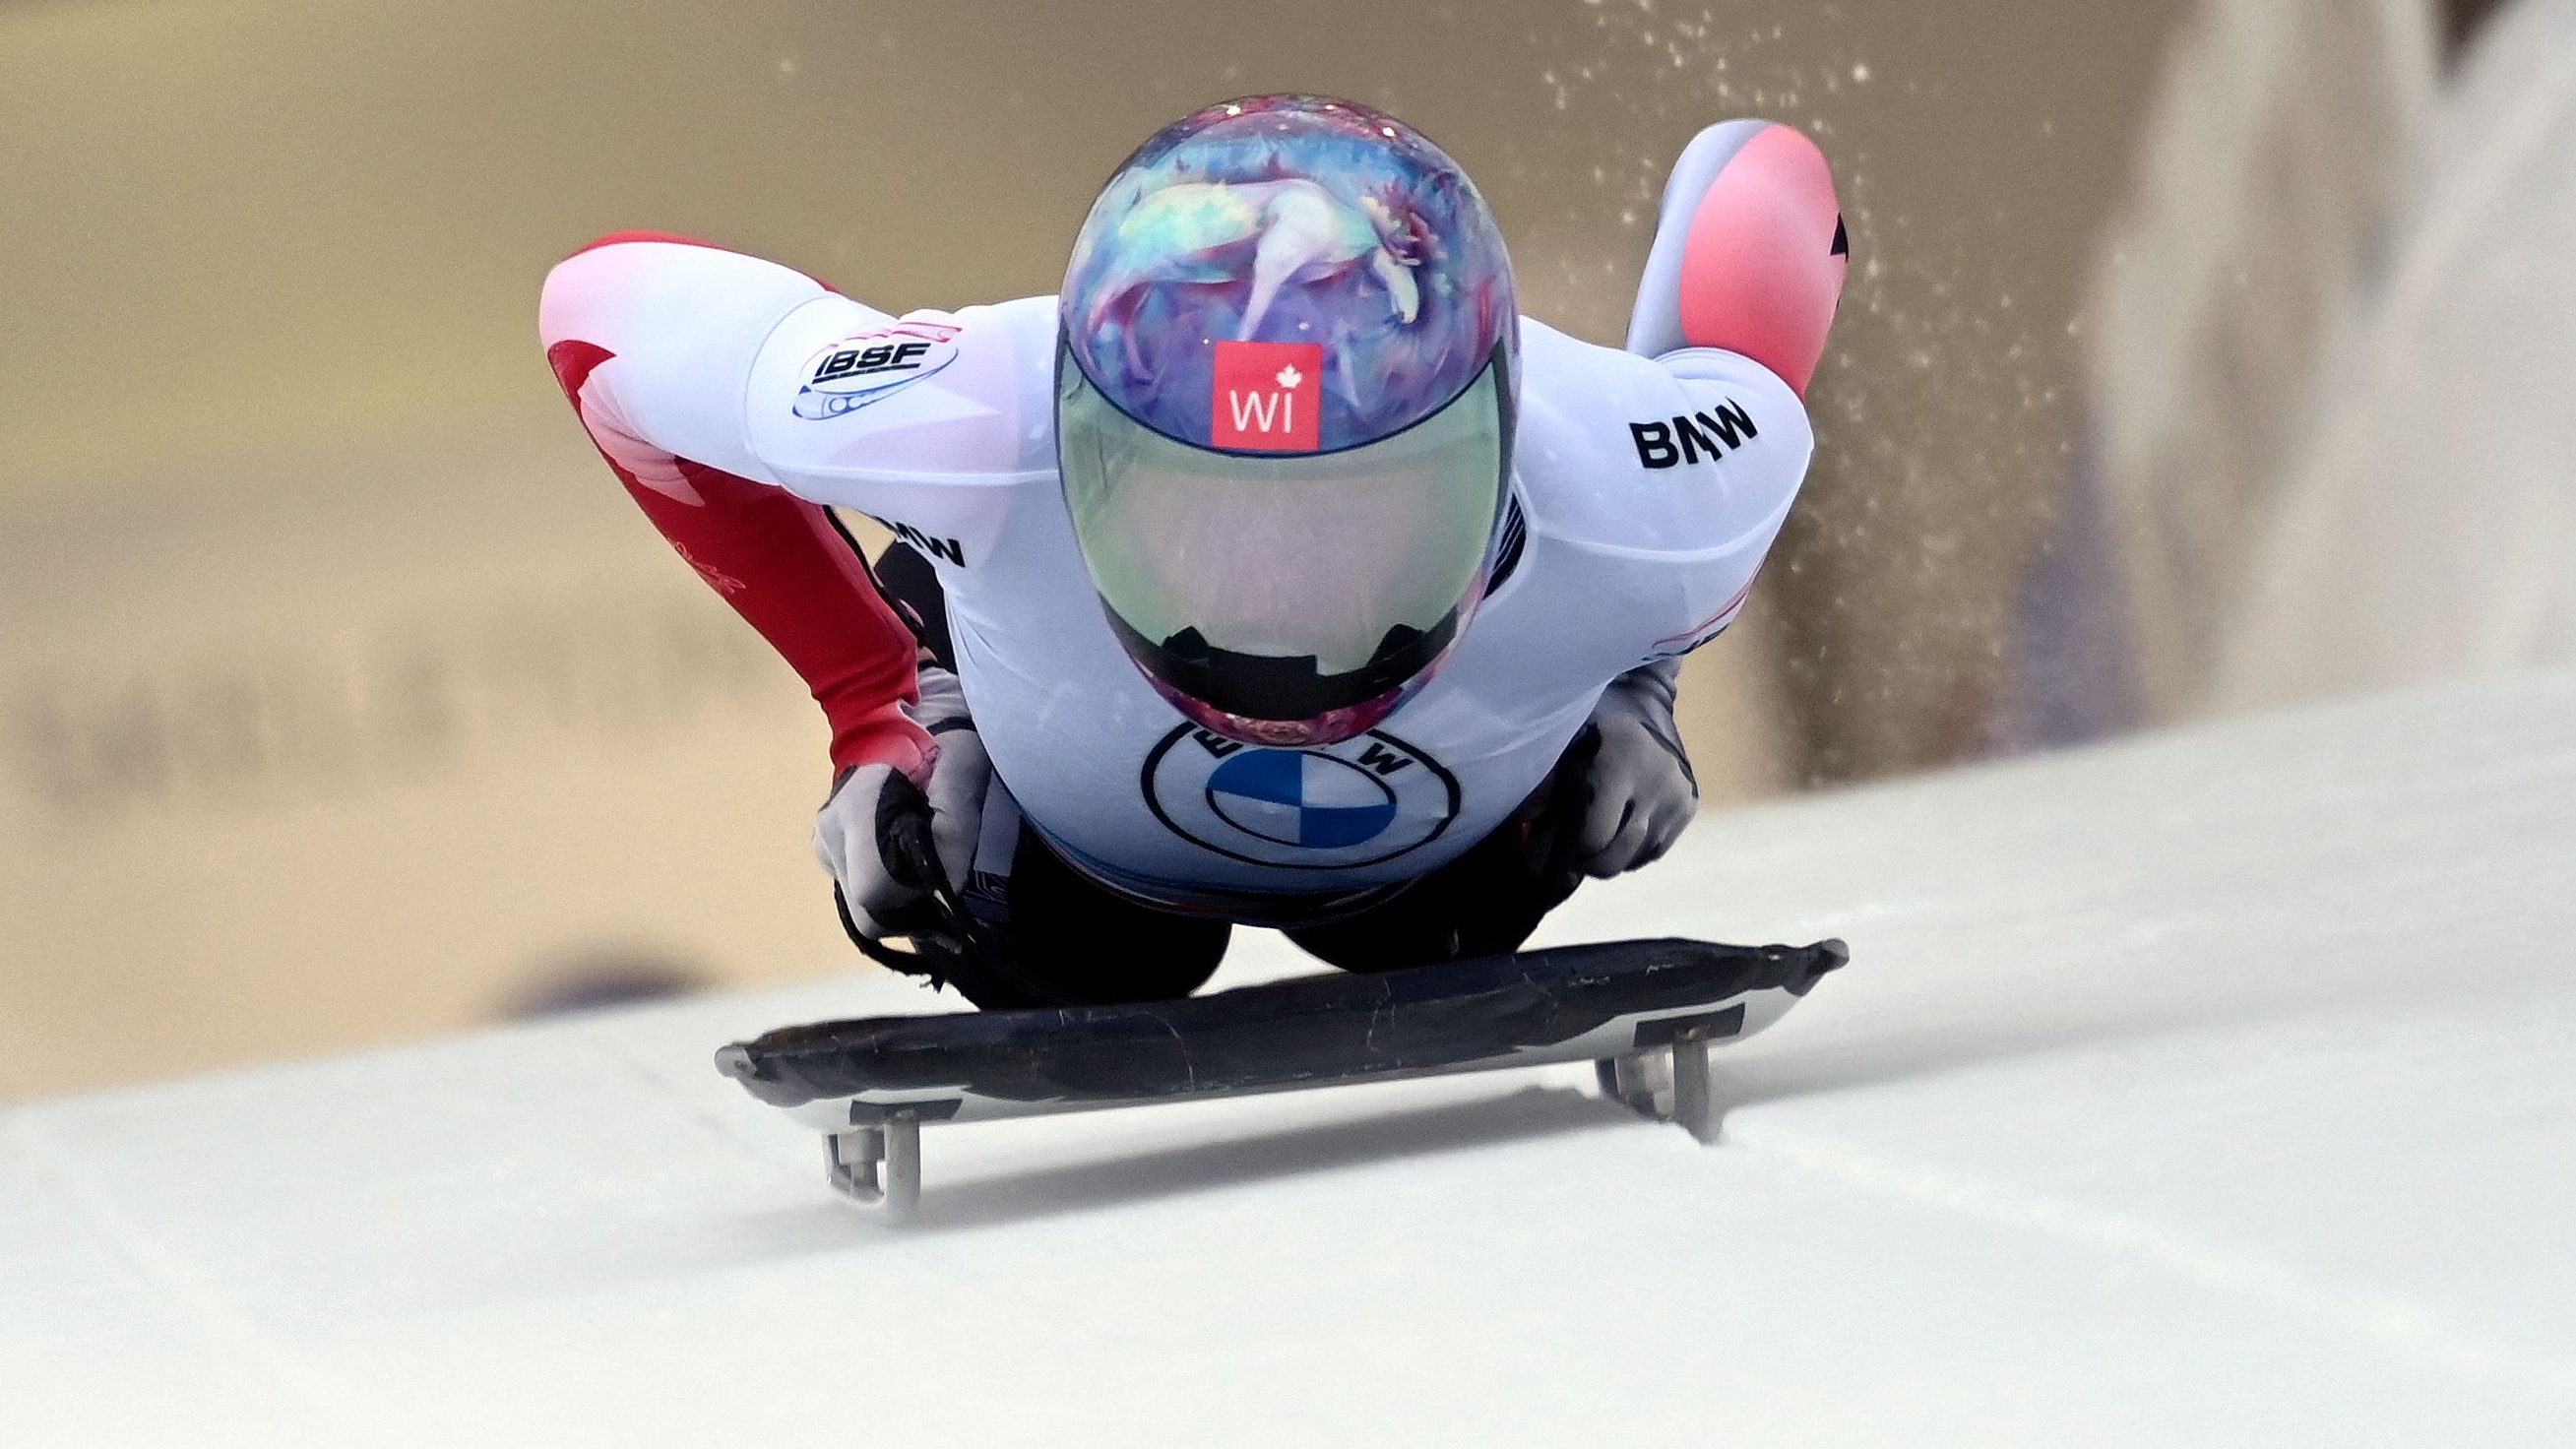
(782, 565)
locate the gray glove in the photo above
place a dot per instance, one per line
(1640, 788)
(845, 831)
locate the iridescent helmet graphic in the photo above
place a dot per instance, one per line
(1284, 406)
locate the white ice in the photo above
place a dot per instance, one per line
(2210, 1089)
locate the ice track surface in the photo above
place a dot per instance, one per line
(2211, 1089)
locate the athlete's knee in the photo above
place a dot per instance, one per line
(1484, 903)
(1093, 944)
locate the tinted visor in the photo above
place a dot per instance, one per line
(1286, 586)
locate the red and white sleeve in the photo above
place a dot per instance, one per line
(651, 337)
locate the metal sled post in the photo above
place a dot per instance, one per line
(878, 1168)
(1694, 1104)
(1669, 1084)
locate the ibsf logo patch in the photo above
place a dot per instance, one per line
(869, 367)
(1268, 397)
(1332, 807)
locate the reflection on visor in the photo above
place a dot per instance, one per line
(1283, 586)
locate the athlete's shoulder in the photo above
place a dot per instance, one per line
(1686, 455)
(844, 395)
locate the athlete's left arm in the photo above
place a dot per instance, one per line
(1738, 295)
(1659, 483)
(1669, 478)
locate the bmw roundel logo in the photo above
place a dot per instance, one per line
(1331, 807)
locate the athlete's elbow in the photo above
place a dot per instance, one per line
(1763, 273)
(573, 300)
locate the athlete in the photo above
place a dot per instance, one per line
(1275, 571)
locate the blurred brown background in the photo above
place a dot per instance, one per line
(343, 697)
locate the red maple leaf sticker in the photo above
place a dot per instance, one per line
(1268, 397)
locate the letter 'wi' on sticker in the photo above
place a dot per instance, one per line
(1267, 397)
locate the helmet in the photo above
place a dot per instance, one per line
(1284, 397)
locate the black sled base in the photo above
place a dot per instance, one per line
(1646, 1011)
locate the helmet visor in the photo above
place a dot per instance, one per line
(1286, 586)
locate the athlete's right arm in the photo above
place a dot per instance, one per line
(653, 339)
